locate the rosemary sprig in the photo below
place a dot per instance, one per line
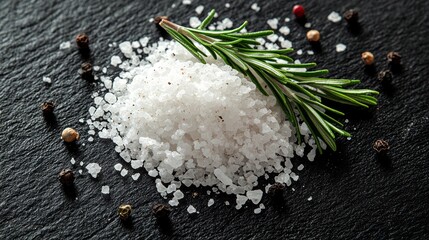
(299, 94)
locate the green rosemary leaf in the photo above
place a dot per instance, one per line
(190, 47)
(218, 33)
(228, 43)
(323, 106)
(311, 127)
(279, 51)
(242, 65)
(253, 34)
(251, 73)
(339, 131)
(207, 20)
(268, 68)
(293, 65)
(308, 73)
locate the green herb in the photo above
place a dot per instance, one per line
(299, 94)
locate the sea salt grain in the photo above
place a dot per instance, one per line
(284, 30)
(186, 2)
(273, 23)
(334, 17)
(340, 47)
(191, 209)
(210, 202)
(65, 45)
(93, 169)
(255, 7)
(194, 22)
(47, 79)
(72, 161)
(118, 167)
(124, 172)
(105, 189)
(199, 9)
(135, 176)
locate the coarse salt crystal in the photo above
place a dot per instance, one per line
(310, 198)
(273, 23)
(194, 22)
(199, 9)
(105, 189)
(47, 79)
(340, 47)
(93, 169)
(255, 7)
(300, 167)
(65, 45)
(191, 209)
(334, 17)
(210, 202)
(124, 172)
(307, 25)
(186, 2)
(284, 30)
(118, 167)
(72, 161)
(135, 176)
(227, 5)
(115, 60)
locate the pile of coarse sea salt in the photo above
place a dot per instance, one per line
(193, 124)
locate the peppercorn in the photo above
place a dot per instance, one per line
(351, 16)
(48, 107)
(385, 76)
(367, 58)
(86, 71)
(82, 41)
(394, 58)
(124, 211)
(70, 135)
(276, 190)
(160, 210)
(381, 146)
(298, 11)
(66, 177)
(313, 36)
(158, 19)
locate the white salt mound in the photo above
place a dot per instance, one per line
(193, 124)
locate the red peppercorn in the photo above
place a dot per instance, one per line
(299, 11)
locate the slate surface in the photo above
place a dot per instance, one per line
(355, 196)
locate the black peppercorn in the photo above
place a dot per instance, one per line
(381, 146)
(158, 19)
(66, 177)
(48, 107)
(160, 210)
(124, 211)
(394, 58)
(351, 16)
(385, 76)
(82, 41)
(276, 190)
(86, 71)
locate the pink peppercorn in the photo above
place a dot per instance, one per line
(299, 11)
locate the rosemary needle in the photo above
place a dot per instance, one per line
(299, 94)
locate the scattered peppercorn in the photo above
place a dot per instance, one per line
(394, 58)
(381, 146)
(276, 190)
(66, 177)
(124, 211)
(351, 16)
(48, 107)
(160, 210)
(298, 11)
(313, 36)
(368, 58)
(86, 71)
(82, 41)
(158, 19)
(385, 76)
(70, 135)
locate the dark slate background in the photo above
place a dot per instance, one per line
(355, 195)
